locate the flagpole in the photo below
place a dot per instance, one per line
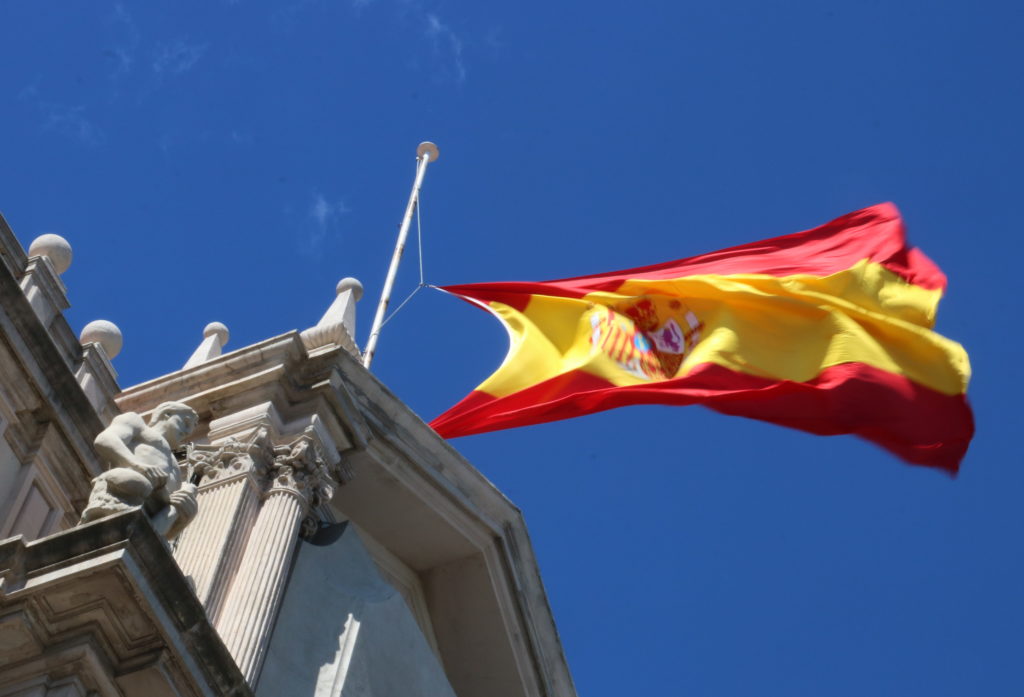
(425, 154)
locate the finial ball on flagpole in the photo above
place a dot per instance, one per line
(429, 149)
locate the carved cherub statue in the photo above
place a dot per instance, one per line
(143, 470)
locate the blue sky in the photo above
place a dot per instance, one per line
(231, 161)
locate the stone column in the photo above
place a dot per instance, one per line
(300, 482)
(209, 549)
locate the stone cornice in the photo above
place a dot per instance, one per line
(124, 550)
(11, 253)
(203, 385)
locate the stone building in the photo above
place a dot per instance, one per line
(340, 548)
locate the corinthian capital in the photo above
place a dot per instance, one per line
(300, 468)
(232, 458)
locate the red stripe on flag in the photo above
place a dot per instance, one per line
(915, 423)
(874, 233)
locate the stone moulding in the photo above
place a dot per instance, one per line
(328, 337)
(98, 380)
(12, 256)
(109, 598)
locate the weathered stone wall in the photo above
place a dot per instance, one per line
(343, 631)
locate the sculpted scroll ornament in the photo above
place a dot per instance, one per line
(143, 471)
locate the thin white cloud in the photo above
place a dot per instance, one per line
(446, 39)
(29, 93)
(320, 211)
(324, 215)
(449, 63)
(240, 137)
(177, 57)
(126, 37)
(70, 121)
(493, 40)
(123, 60)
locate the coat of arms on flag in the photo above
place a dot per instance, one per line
(647, 336)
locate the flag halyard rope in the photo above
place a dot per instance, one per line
(419, 253)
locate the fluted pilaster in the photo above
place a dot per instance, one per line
(209, 549)
(299, 481)
(232, 476)
(251, 606)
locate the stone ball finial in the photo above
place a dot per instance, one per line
(55, 247)
(104, 333)
(217, 329)
(352, 284)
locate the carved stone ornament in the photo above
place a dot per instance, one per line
(297, 467)
(143, 471)
(232, 458)
(300, 467)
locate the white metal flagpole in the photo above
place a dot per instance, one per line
(425, 154)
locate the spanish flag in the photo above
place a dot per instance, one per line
(827, 330)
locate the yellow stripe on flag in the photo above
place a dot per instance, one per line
(780, 327)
